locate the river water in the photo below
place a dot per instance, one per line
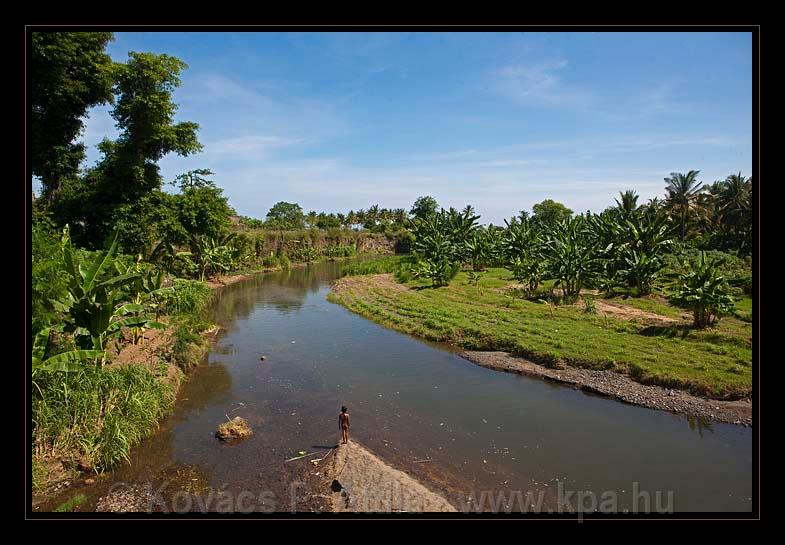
(471, 433)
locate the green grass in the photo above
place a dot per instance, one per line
(71, 504)
(386, 264)
(714, 362)
(96, 414)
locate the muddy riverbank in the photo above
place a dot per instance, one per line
(617, 386)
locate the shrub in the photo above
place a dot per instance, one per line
(704, 290)
(188, 297)
(271, 261)
(340, 250)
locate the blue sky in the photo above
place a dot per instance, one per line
(339, 121)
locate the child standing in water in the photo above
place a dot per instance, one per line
(343, 424)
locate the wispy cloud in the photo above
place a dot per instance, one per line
(538, 83)
(252, 146)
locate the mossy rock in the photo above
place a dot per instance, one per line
(235, 429)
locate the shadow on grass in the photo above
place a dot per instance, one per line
(677, 330)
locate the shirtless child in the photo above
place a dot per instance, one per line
(343, 424)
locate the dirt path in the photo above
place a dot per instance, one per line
(618, 386)
(356, 480)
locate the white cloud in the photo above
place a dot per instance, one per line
(538, 83)
(248, 147)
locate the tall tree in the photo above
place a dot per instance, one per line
(70, 72)
(549, 213)
(285, 215)
(424, 207)
(682, 194)
(144, 113)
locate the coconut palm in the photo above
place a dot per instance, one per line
(682, 193)
(628, 204)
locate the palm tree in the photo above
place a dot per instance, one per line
(311, 218)
(682, 193)
(361, 217)
(628, 204)
(400, 216)
(734, 198)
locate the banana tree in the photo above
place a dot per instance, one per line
(146, 294)
(166, 255)
(71, 360)
(94, 297)
(212, 255)
(572, 258)
(703, 289)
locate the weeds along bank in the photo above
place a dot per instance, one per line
(87, 418)
(268, 246)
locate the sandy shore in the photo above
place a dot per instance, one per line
(356, 480)
(619, 387)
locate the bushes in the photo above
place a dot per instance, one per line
(703, 290)
(340, 250)
(49, 280)
(188, 297)
(736, 270)
(97, 415)
(271, 261)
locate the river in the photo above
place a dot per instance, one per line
(463, 430)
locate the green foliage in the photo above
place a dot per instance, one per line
(549, 213)
(522, 248)
(682, 197)
(439, 270)
(113, 191)
(424, 207)
(201, 209)
(271, 261)
(48, 278)
(589, 306)
(572, 259)
(528, 271)
(284, 215)
(69, 73)
(704, 290)
(188, 297)
(99, 414)
(187, 343)
(71, 504)
(211, 255)
(381, 265)
(93, 298)
(474, 278)
(715, 362)
(302, 252)
(340, 250)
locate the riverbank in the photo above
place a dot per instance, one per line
(164, 354)
(163, 357)
(619, 355)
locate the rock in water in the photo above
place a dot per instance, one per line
(237, 428)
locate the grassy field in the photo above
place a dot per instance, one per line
(714, 362)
